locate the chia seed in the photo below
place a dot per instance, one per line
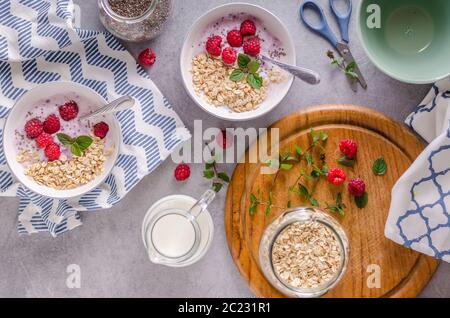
(129, 8)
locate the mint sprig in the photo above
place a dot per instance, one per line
(77, 146)
(339, 207)
(248, 69)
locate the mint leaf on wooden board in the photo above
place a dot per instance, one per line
(380, 167)
(344, 161)
(361, 202)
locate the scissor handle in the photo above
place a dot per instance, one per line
(322, 28)
(343, 19)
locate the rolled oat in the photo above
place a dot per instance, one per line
(65, 174)
(211, 79)
(307, 255)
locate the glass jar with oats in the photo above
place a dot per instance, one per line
(304, 253)
(135, 20)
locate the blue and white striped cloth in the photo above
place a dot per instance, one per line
(39, 44)
(420, 210)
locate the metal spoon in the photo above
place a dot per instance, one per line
(122, 103)
(306, 75)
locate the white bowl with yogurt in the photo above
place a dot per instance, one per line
(42, 101)
(222, 19)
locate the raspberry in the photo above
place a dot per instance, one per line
(248, 27)
(252, 46)
(68, 111)
(357, 187)
(101, 130)
(52, 152)
(33, 128)
(147, 57)
(217, 40)
(234, 38)
(336, 176)
(224, 139)
(349, 148)
(182, 172)
(52, 124)
(43, 140)
(213, 46)
(229, 56)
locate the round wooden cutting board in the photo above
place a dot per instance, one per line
(404, 273)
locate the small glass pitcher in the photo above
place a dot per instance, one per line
(158, 257)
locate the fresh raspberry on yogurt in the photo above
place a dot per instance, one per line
(52, 124)
(229, 56)
(101, 130)
(248, 27)
(33, 128)
(43, 140)
(252, 46)
(213, 46)
(53, 152)
(68, 111)
(234, 38)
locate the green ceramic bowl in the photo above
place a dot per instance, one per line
(412, 43)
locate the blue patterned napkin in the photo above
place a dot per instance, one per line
(420, 210)
(39, 44)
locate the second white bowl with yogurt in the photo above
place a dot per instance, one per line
(269, 27)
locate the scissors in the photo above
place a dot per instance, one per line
(323, 29)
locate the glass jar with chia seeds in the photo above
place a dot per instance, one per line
(135, 20)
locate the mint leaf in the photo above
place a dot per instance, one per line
(66, 140)
(305, 192)
(243, 60)
(255, 80)
(298, 150)
(286, 166)
(380, 167)
(309, 158)
(76, 151)
(323, 136)
(350, 66)
(344, 161)
(253, 66)
(269, 204)
(224, 177)
(361, 202)
(237, 75)
(208, 174)
(217, 187)
(84, 142)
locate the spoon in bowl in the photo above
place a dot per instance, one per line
(306, 75)
(122, 103)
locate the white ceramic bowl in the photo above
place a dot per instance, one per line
(195, 36)
(17, 117)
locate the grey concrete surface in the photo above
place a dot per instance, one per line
(108, 247)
